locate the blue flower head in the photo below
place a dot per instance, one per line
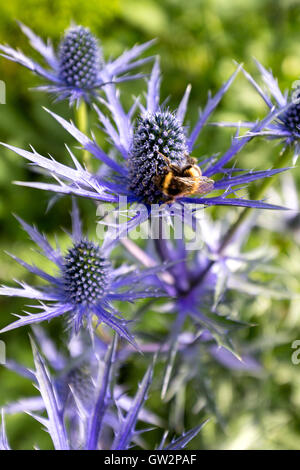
(77, 69)
(149, 146)
(291, 117)
(79, 58)
(285, 108)
(86, 273)
(85, 287)
(199, 283)
(158, 138)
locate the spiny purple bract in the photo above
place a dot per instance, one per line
(156, 134)
(86, 273)
(79, 58)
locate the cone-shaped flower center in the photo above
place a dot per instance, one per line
(86, 273)
(158, 140)
(291, 117)
(79, 58)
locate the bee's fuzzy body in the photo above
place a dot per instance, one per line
(182, 181)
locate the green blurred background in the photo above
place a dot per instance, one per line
(198, 42)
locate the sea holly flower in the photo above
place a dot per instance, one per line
(77, 69)
(199, 281)
(158, 138)
(158, 141)
(153, 150)
(285, 126)
(86, 285)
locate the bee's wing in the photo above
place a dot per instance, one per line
(205, 185)
(187, 183)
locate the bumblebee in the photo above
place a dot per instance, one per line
(181, 181)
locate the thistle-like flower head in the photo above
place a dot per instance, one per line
(79, 58)
(285, 108)
(291, 117)
(77, 69)
(85, 287)
(158, 138)
(86, 273)
(151, 146)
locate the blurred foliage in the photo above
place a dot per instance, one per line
(198, 41)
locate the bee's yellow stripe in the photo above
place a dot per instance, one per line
(167, 181)
(194, 172)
